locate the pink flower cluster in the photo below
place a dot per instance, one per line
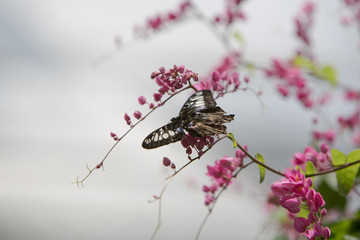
(224, 78)
(197, 143)
(167, 163)
(159, 21)
(321, 160)
(222, 83)
(328, 136)
(353, 15)
(352, 95)
(136, 114)
(221, 174)
(114, 136)
(292, 79)
(232, 12)
(352, 123)
(304, 21)
(169, 81)
(295, 192)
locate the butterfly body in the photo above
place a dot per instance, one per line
(199, 116)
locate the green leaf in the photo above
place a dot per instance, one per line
(332, 197)
(352, 170)
(310, 169)
(250, 68)
(239, 37)
(231, 137)
(304, 212)
(303, 62)
(260, 158)
(346, 229)
(329, 73)
(345, 177)
(353, 157)
(326, 72)
(340, 229)
(337, 157)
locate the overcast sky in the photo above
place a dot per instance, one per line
(57, 111)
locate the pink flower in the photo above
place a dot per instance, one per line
(159, 81)
(155, 22)
(197, 143)
(295, 190)
(310, 234)
(300, 224)
(277, 189)
(290, 81)
(216, 76)
(141, 100)
(231, 13)
(324, 148)
(166, 162)
(137, 114)
(114, 136)
(329, 136)
(224, 77)
(303, 22)
(209, 198)
(308, 8)
(352, 95)
(171, 16)
(127, 119)
(300, 159)
(159, 21)
(326, 232)
(185, 5)
(157, 97)
(291, 204)
(283, 90)
(221, 173)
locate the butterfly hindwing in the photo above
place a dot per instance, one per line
(169, 133)
(208, 122)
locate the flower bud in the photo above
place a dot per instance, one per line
(166, 161)
(137, 114)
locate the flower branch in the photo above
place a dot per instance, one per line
(118, 139)
(257, 161)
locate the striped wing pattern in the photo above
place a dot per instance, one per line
(199, 116)
(169, 133)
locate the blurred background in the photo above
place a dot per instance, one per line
(58, 109)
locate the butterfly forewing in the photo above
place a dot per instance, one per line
(199, 100)
(169, 133)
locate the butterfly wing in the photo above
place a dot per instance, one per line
(198, 101)
(199, 116)
(169, 133)
(208, 122)
(202, 117)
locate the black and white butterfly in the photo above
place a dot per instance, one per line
(199, 117)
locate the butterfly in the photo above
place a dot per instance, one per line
(199, 116)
